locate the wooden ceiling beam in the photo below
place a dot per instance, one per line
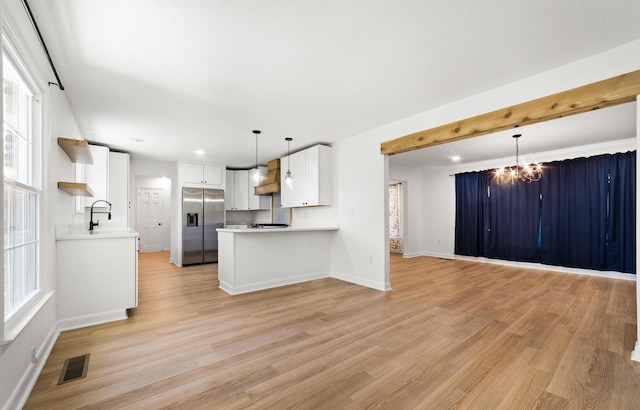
(606, 93)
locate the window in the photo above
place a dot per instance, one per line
(79, 175)
(21, 160)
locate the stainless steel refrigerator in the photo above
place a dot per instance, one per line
(202, 214)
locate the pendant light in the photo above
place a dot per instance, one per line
(287, 177)
(256, 175)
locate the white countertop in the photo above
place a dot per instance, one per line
(289, 229)
(75, 232)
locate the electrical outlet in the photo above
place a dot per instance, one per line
(34, 357)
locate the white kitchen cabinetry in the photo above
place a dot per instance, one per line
(97, 174)
(204, 175)
(97, 276)
(236, 198)
(310, 183)
(252, 259)
(119, 189)
(239, 195)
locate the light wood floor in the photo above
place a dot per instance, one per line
(451, 334)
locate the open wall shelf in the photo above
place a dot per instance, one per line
(75, 188)
(77, 150)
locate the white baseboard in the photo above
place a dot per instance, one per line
(22, 391)
(382, 286)
(439, 255)
(238, 290)
(408, 255)
(552, 268)
(226, 287)
(530, 265)
(90, 320)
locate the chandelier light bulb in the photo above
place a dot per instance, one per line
(522, 171)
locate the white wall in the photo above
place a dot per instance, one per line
(439, 213)
(361, 246)
(17, 372)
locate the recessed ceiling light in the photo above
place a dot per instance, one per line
(199, 152)
(455, 158)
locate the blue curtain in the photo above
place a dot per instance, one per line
(513, 223)
(574, 212)
(581, 214)
(470, 203)
(621, 228)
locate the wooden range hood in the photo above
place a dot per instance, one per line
(270, 184)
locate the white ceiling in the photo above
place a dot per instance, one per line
(184, 75)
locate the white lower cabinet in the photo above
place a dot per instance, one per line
(97, 278)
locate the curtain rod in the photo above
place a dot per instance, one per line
(44, 46)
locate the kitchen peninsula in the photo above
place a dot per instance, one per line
(263, 258)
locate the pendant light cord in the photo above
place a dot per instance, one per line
(256, 132)
(289, 139)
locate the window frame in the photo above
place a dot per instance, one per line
(24, 311)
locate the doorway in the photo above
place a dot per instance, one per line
(150, 212)
(396, 219)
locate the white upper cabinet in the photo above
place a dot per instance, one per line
(204, 175)
(97, 175)
(213, 174)
(310, 183)
(239, 195)
(236, 198)
(119, 188)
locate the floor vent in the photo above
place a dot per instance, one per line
(74, 369)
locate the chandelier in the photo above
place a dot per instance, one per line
(522, 171)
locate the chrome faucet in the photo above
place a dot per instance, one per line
(94, 224)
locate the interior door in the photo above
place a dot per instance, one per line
(150, 212)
